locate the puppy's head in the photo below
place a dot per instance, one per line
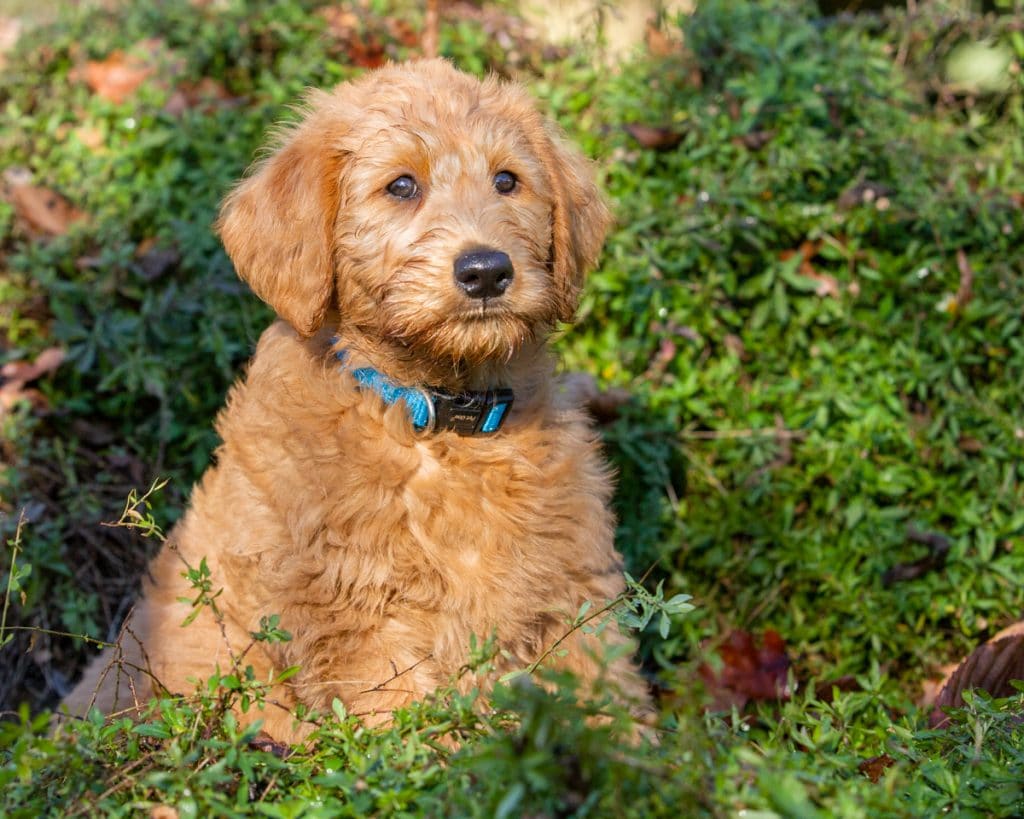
(435, 212)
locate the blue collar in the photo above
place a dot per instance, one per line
(431, 409)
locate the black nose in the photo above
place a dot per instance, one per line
(483, 274)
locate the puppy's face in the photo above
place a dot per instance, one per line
(439, 214)
(443, 238)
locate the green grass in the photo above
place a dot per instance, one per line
(779, 295)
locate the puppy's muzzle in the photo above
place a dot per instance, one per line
(483, 274)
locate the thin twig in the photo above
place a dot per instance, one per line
(577, 626)
(15, 545)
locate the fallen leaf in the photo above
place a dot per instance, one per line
(361, 44)
(41, 210)
(367, 52)
(155, 261)
(825, 691)
(12, 392)
(989, 667)
(342, 22)
(754, 140)
(654, 137)
(90, 136)
(751, 669)
(938, 549)
(807, 251)
(46, 362)
(17, 374)
(876, 766)
(263, 742)
(969, 444)
(163, 812)
(206, 95)
(117, 77)
(828, 285)
(659, 43)
(402, 31)
(120, 74)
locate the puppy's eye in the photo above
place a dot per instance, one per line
(404, 187)
(505, 182)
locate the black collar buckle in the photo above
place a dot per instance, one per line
(471, 413)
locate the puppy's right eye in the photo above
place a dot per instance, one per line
(404, 187)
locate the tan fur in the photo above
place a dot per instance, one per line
(383, 551)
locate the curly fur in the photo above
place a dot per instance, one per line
(383, 551)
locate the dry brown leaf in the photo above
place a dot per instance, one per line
(342, 22)
(875, 767)
(754, 140)
(828, 285)
(17, 374)
(659, 43)
(990, 667)
(969, 444)
(751, 669)
(154, 261)
(654, 137)
(41, 210)
(90, 136)
(117, 77)
(207, 95)
(263, 742)
(46, 362)
(361, 44)
(938, 550)
(806, 251)
(12, 392)
(402, 31)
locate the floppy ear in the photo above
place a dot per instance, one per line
(278, 224)
(580, 221)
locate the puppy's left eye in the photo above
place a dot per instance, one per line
(404, 187)
(505, 182)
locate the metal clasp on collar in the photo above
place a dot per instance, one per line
(431, 421)
(472, 413)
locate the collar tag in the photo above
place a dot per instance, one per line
(472, 413)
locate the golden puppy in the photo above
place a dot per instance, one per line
(396, 474)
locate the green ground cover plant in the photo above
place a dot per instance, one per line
(812, 298)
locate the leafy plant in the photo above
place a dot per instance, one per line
(811, 293)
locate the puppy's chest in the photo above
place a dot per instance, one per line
(442, 525)
(452, 500)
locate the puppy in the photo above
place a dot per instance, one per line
(396, 473)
